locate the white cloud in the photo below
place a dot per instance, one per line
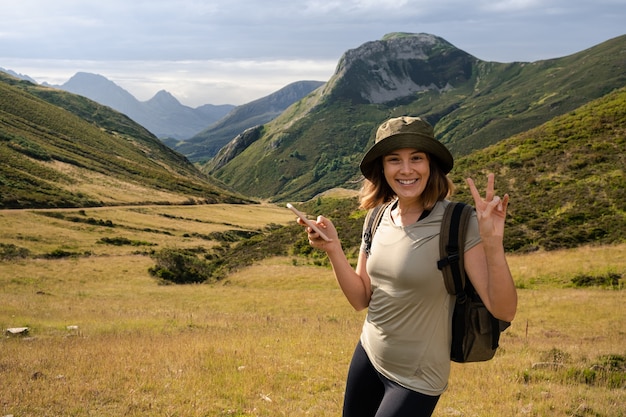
(511, 5)
(237, 50)
(192, 82)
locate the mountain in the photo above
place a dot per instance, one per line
(207, 143)
(565, 173)
(59, 149)
(18, 76)
(566, 180)
(163, 115)
(317, 143)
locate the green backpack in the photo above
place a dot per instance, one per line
(475, 331)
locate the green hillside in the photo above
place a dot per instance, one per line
(512, 98)
(565, 178)
(62, 150)
(317, 143)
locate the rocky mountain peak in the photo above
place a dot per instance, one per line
(398, 66)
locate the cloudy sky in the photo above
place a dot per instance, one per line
(235, 51)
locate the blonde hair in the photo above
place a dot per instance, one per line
(376, 190)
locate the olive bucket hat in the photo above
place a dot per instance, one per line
(406, 132)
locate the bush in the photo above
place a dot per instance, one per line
(610, 279)
(60, 253)
(10, 252)
(180, 266)
(122, 241)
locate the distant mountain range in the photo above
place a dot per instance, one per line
(17, 75)
(198, 133)
(163, 114)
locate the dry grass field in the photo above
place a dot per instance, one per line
(274, 339)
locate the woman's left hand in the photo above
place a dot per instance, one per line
(491, 210)
(486, 263)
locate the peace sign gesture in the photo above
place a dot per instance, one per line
(490, 211)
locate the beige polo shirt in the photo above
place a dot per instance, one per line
(407, 331)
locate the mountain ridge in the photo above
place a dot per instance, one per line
(566, 178)
(163, 114)
(207, 143)
(472, 104)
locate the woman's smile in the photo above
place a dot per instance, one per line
(406, 171)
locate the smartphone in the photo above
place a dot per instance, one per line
(308, 222)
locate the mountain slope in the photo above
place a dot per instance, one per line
(207, 143)
(566, 178)
(316, 146)
(163, 114)
(60, 150)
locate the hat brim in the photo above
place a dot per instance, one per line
(407, 140)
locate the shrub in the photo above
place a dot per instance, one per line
(180, 266)
(60, 253)
(10, 252)
(610, 279)
(121, 241)
(605, 371)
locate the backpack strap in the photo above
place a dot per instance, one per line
(452, 247)
(372, 220)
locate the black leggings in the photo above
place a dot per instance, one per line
(370, 394)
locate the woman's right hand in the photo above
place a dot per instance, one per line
(315, 240)
(355, 285)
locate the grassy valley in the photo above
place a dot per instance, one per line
(274, 338)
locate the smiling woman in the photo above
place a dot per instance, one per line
(401, 364)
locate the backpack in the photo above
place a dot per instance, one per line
(475, 331)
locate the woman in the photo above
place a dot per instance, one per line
(401, 364)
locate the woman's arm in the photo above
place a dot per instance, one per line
(355, 283)
(486, 263)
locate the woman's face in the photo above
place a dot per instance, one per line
(407, 171)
